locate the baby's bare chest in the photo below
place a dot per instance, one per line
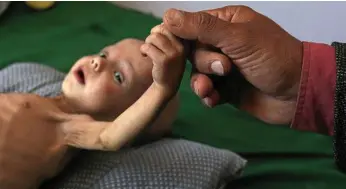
(30, 142)
(18, 111)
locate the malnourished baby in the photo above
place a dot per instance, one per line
(107, 100)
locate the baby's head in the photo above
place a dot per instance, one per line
(106, 84)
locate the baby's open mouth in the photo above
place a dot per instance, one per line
(80, 76)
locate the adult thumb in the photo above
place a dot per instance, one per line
(200, 26)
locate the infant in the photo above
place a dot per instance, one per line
(107, 100)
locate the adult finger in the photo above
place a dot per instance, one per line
(234, 14)
(212, 99)
(199, 25)
(203, 87)
(201, 84)
(208, 61)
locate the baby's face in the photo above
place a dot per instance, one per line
(109, 82)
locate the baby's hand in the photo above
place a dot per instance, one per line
(167, 54)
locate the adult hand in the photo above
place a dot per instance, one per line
(266, 56)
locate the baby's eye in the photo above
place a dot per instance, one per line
(118, 77)
(102, 55)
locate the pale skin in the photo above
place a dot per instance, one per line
(108, 99)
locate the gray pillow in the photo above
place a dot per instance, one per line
(168, 163)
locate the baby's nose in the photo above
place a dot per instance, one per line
(98, 63)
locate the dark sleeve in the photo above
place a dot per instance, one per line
(340, 106)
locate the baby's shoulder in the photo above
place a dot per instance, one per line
(21, 100)
(19, 109)
(24, 105)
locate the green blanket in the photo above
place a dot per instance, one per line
(278, 156)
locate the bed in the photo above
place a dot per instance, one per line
(278, 156)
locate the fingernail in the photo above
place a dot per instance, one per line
(217, 67)
(174, 17)
(207, 101)
(195, 88)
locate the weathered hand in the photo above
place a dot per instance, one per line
(236, 38)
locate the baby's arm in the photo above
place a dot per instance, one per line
(166, 53)
(161, 127)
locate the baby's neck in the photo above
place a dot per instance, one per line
(69, 106)
(66, 105)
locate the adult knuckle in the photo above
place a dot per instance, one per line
(244, 8)
(238, 9)
(205, 21)
(244, 13)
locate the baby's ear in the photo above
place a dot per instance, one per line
(163, 124)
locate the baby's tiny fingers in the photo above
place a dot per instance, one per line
(154, 53)
(163, 30)
(162, 43)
